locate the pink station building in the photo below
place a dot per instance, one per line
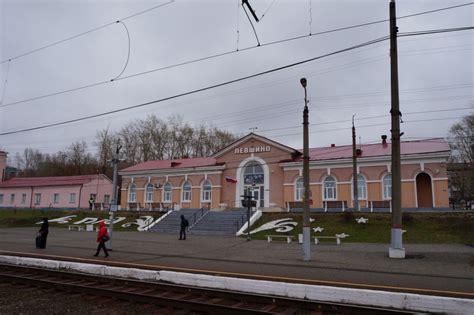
(272, 173)
(71, 192)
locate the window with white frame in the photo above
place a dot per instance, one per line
(206, 191)
(72, 198)
(132, 193)
(361, 187)
(56, 198)
(167, 192)
(23, 198)
(106, 199)
(37, 199)
(149, 193)
(186, 192)
(1, 198)
(299, 189)
(387, 186)
(330, 188)
(12, 198)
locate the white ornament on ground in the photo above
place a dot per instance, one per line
(362, 220)
(61, 220)
(281, 226)
(311, 220)
(343, 235)
(318, 229)
(142, 222)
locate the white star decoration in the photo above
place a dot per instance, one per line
(311, 220)
(318, 229)
(362, 220)
(343, 235)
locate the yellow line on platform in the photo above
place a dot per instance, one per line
(254, 276)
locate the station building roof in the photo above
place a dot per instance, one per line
(17, 182)
(429, 146)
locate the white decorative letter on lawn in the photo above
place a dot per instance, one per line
(281, 225)
(142, 223)
(318, 229)
(362, 220)
(61, 220)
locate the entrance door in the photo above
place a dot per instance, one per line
(423, 191)
(256, 192)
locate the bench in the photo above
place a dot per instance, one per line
(335, 204)
(76, 227)
(288, 238)
(381, 204)
(337, 238)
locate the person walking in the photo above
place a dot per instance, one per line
(102, 237)
(91, 203)
(184, 226)
(42, 234)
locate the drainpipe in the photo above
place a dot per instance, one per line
(79, 202)
(31, 198)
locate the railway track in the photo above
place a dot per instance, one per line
(172, 298)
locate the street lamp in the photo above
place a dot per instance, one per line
(306, 223)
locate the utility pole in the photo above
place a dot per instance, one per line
(113, 206)
(354, 168)
(396, 249)
(306, 222)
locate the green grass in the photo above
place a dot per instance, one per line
(435, 228)
(28, 217)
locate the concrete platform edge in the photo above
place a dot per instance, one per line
(400, 301)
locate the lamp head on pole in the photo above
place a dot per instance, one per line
(303, 82)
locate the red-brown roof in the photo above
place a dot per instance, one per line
(171, 164)
(373, 150)
(48, 181)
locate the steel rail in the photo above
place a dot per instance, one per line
(178, 296)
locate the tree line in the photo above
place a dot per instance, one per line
(141, 140)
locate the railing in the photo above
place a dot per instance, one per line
(196, 216)
(239, 223)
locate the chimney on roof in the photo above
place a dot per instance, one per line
(384, 141)
(3, 165)
(333, 145)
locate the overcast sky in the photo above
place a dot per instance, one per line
(435, 71)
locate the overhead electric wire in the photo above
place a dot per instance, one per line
(84, 33)
(128, 53)
(215, 55)
(197, 90)
(202, 89)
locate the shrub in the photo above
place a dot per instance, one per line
(407, 218)
(348, 216)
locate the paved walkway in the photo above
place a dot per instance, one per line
(440, 269)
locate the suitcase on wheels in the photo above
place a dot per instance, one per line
(38, 241)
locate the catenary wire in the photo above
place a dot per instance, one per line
(226, 53)
(84, 33)
(212, 86)
(128, 53)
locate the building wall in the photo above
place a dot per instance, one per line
(3, 165)
(47, 197)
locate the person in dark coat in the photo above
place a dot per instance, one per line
(184, 225)
(43, 234)
(101, 240)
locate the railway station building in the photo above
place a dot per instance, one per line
(272, 173)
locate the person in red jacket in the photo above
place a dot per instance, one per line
(102, 237)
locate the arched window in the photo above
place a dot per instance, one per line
(132, 193)
(361, 187)
(329, 188)
(167, 192)
(149, 193)
(186, 192)
(206, 191)
(387, 186)
(253, 174)
(299, 189)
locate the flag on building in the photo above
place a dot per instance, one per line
(230, 180)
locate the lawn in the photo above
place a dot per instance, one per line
(436, 228)
(28, 217)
